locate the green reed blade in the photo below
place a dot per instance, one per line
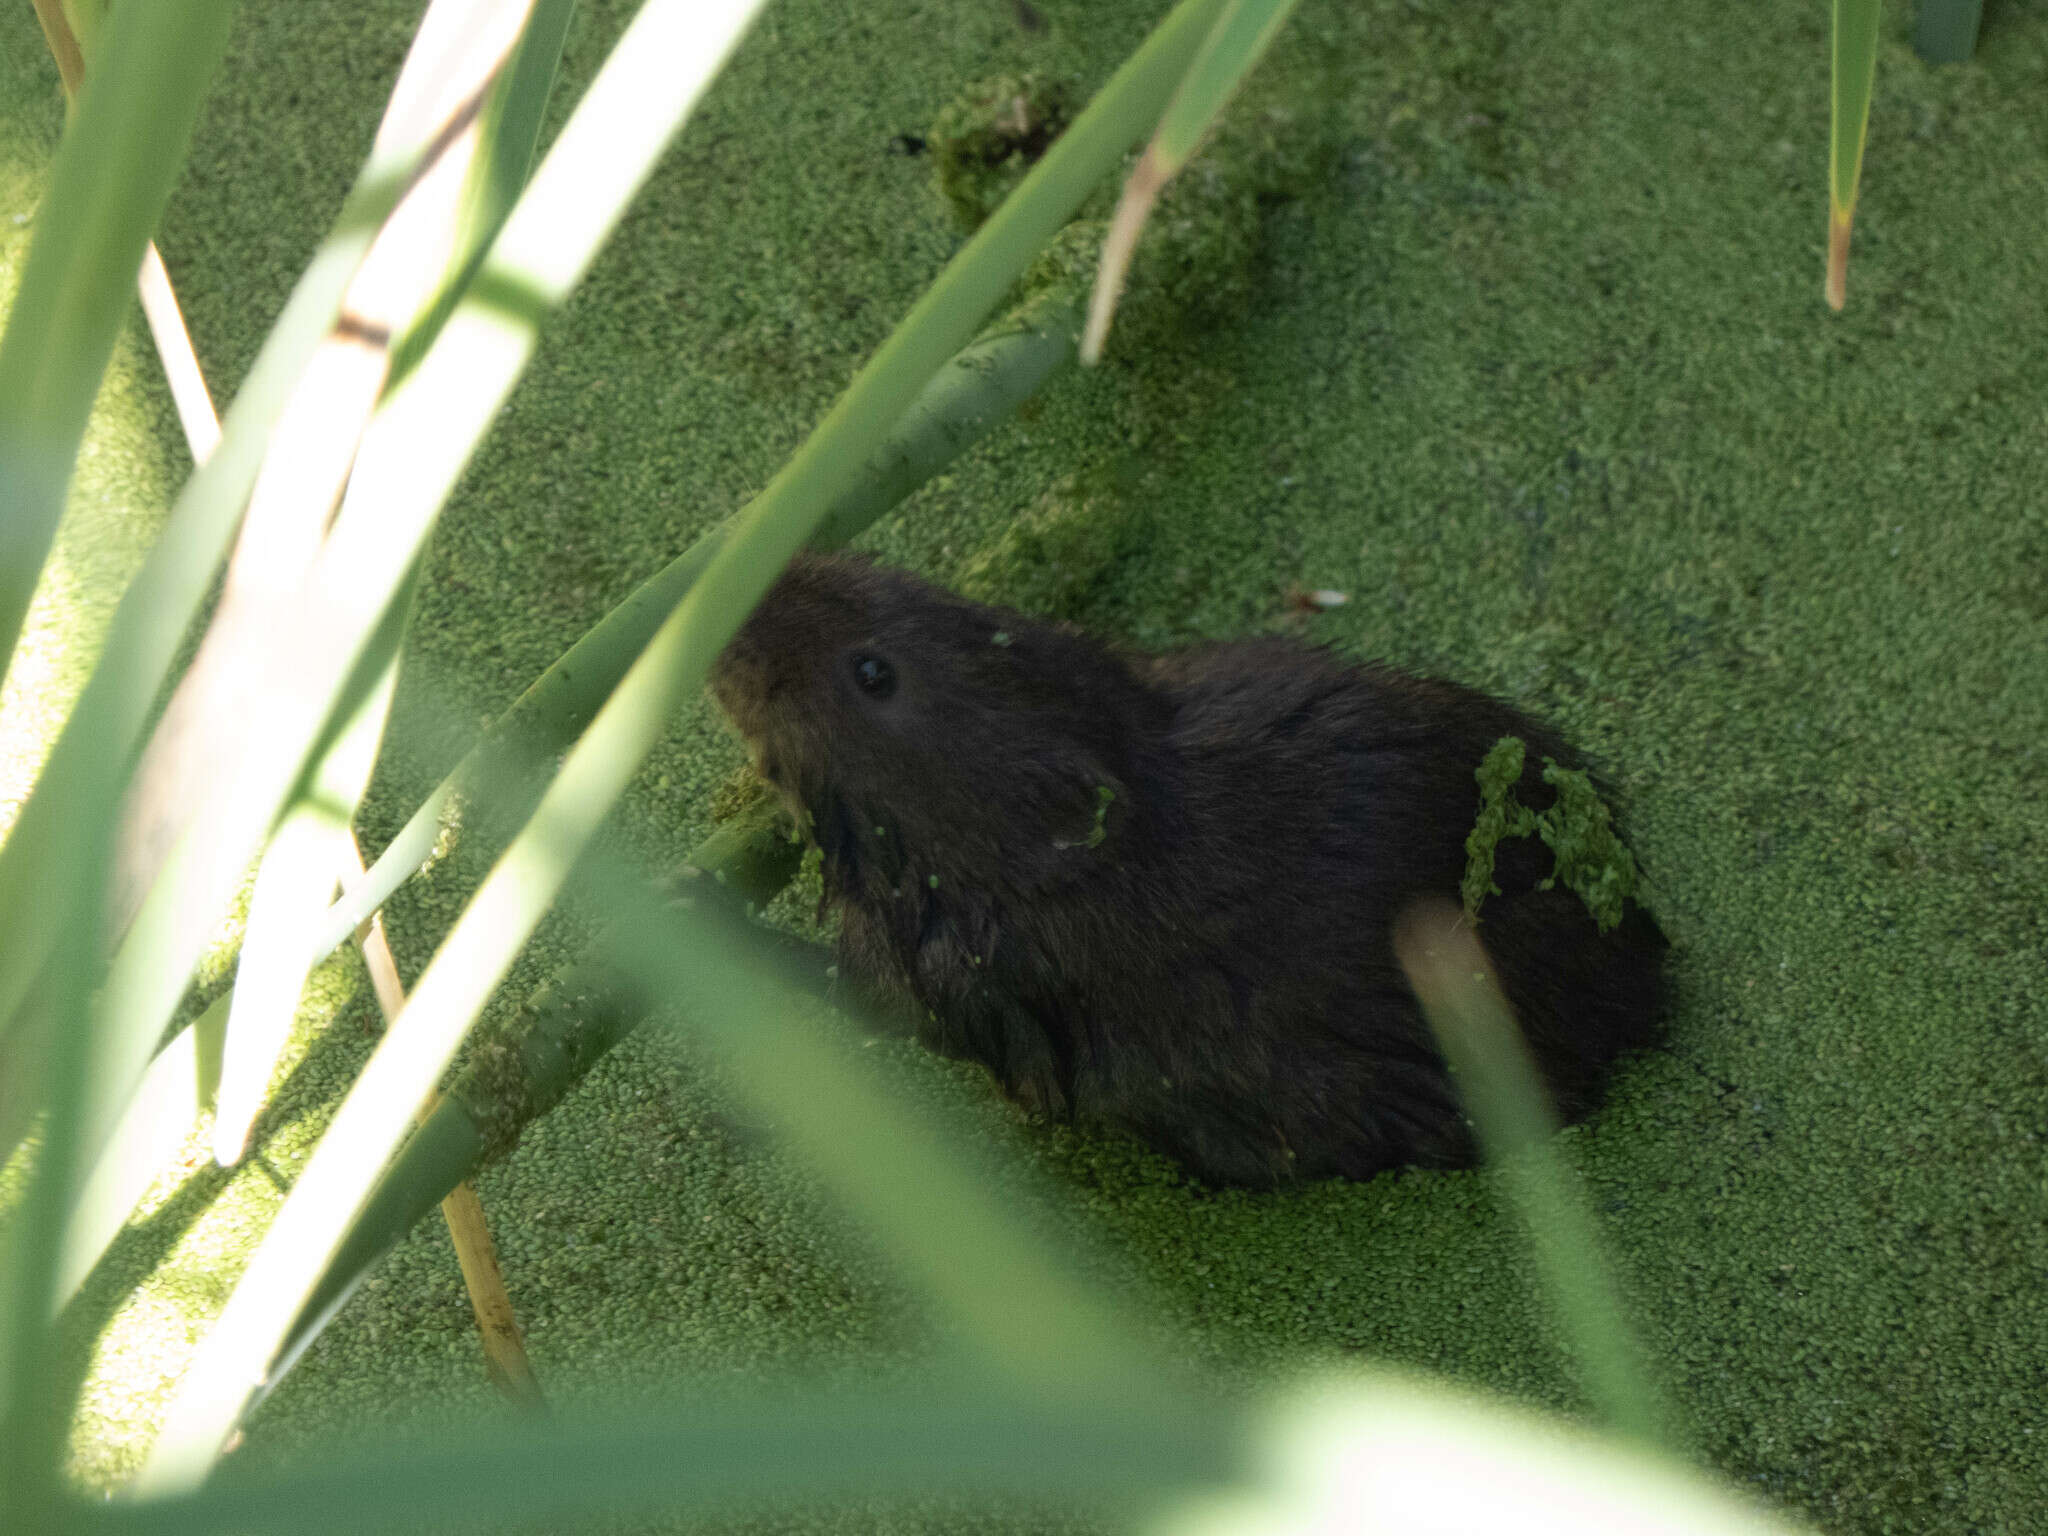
(1242, 35)
(112, 176)
(459, 384)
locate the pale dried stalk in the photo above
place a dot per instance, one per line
(159, 301)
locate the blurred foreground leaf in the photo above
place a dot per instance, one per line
(720, 1452)
(1497, 1077)
(1375, 1451)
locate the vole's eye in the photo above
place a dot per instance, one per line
(874, 676)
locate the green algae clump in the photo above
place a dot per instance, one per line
(988, 136)
(1591, 859)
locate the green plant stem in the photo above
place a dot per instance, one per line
(83, 781)
(969, 397)
(108, 186)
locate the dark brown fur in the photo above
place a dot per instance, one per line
(1202, 954)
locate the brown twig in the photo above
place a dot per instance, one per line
(63, 46)
(504, 1347)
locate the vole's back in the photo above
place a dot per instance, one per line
(1318, 798)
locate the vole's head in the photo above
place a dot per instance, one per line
(919, 731)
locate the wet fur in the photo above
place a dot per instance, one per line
(1206, 958)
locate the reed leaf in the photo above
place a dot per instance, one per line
(422, 437)
(311, 847)
(159, 301)
(112, 176)
(84, 780)
(1242, 35)
(456, 53)
(977, 390)
(508, 135)
(38, 1388)
(296, 880)
(181, 1084)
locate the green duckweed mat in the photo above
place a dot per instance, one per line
(1506, 321)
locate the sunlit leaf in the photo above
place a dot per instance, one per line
(1374, 1451)
(108, 185)
(422, 437)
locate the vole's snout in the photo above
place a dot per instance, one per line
(758, 694)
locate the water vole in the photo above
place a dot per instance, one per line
(1159, 890)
